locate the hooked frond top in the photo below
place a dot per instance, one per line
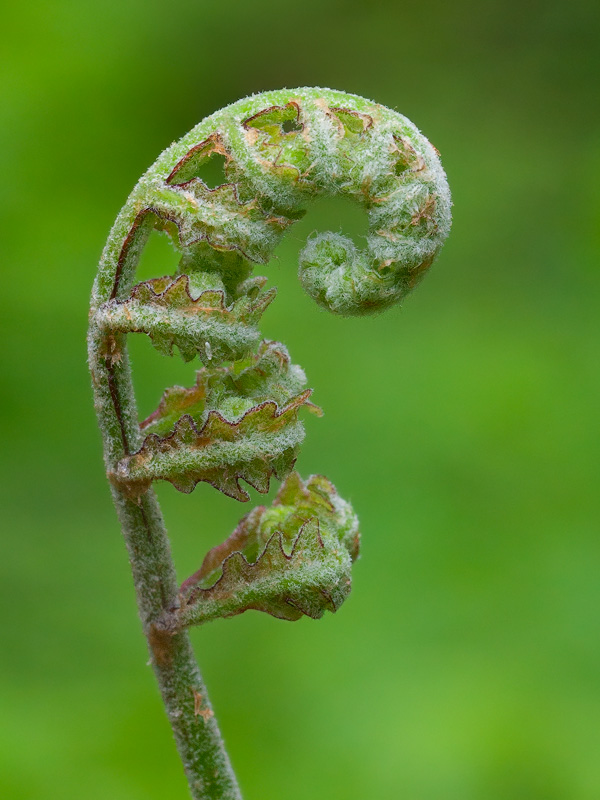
(239, 421)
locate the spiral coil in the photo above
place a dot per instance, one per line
(239, 421)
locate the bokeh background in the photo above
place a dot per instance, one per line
(464, 427)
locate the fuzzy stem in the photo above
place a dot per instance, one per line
(196, 732)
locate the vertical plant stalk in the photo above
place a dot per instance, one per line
(239, 421)
(187, 705)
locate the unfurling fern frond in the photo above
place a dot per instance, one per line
(239, 421)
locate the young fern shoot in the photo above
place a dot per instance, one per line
(239, 421)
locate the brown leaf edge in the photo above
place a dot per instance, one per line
(237, 569)
(134, 488)
(164, 291)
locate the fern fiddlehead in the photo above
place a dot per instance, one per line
(239, 421)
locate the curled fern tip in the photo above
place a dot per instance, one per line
(239, 421)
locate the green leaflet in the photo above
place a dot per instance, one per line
(262, 443)
(289, 560)
(169, 313)
(237, 422)
(218, 217)
(231, 390)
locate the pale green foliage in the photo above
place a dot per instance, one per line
(263, 442)
(239, 421)
(231, 390)
(169, 311)
(280, 150)
(291, 559)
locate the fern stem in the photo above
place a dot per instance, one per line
(199, 742)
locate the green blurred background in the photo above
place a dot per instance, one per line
(464, 428)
